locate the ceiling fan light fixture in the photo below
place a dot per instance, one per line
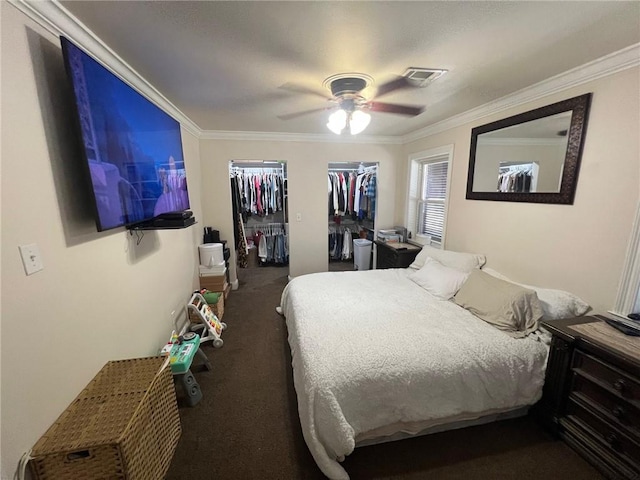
(358, 122)
(337, 121)
(355, 121)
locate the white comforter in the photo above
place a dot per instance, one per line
(372, 348)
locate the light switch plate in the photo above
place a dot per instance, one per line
(31, 258)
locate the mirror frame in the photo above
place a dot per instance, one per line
(579, 107)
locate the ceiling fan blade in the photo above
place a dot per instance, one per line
(410, 110)
(292, 87)
(289, 116)
(397, 83)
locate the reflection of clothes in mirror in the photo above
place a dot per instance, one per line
(514, 181)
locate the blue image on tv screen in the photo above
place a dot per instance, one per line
(132, 148)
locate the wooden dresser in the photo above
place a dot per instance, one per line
(591, 397)
(395, 255)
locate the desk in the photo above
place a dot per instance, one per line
(395, 254)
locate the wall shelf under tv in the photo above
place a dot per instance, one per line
(151, 226)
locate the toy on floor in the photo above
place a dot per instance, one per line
(205, 320)
(181, 350)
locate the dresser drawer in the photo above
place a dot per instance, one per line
(609, 377)
(391, 257)
(618, 411)
(607, 435)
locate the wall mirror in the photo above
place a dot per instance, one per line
(531, 157)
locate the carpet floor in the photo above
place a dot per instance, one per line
(246, 425)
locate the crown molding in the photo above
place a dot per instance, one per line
(58, 21)
(615, 62)
(298, 137)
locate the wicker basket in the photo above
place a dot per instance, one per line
(123, 425)
(218, 308)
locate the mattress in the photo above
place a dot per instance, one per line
(372, 350)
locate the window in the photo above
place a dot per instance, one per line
(428, 194)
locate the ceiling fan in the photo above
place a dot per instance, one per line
(350, 103)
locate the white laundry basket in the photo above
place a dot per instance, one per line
(361, 254)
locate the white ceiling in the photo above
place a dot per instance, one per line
(222, 63)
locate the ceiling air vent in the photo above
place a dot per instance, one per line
(421, 77)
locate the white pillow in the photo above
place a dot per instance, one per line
(556, 304)
(439, 280)
(461, 261)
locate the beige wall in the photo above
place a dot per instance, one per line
(100, 296)
(579, 247)
(307, 164)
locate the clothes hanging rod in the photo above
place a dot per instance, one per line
(515, 164)
(261, 162)
(357, 169)
(256, 170)
(354, 164)
(519, 168)
(255, 164)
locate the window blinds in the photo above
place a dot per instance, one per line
(434, 194)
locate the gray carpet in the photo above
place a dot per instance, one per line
(247, 427)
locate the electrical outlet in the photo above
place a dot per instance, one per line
(31, 258)
(298, 217)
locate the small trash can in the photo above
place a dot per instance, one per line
(361, 254)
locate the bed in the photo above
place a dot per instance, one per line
(376, 357)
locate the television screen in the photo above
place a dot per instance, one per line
(133, 149)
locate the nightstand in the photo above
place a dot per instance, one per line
(591, 396)
(395, 254)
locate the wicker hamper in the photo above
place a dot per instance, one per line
(123, 425)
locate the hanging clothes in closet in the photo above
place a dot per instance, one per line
(255, 192)
(259, 193)
(352, 195)
(341, 242)
(273, 243)
(514, 179)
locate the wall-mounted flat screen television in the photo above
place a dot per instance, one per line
(132, 149)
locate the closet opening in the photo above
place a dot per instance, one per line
(352, 195)
(260, 214)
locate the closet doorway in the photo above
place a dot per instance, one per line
(352, 211)
(260, 215)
